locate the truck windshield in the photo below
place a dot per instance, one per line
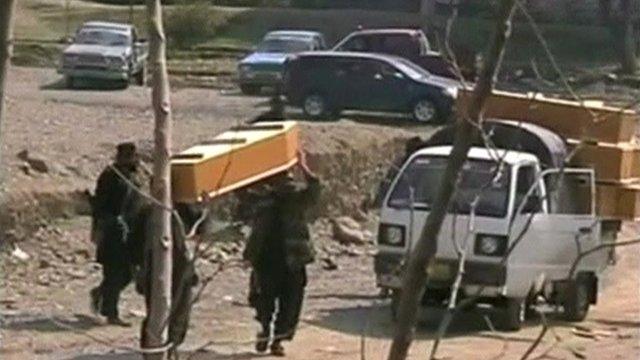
(283, 46)
(483, 179)
(102, 37)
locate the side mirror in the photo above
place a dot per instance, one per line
(378, 76)
(398, 75)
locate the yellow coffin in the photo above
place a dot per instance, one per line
(233, 159)
(569, 119)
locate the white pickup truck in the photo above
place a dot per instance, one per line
(105, 51)
(519, 217)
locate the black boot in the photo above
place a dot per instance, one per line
(262, 341)
(277, 349)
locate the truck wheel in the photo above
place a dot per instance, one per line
(513, 314)
(576, 299)
(315, 106)
(69, 82)
(141, 77)
(250, 89)
(425, 111)
(395, 304)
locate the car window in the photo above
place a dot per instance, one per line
(526, 178)
(284, 46)
(397, 44)
(484, 180)
(411, 70)
(357, 43)
(102, 37)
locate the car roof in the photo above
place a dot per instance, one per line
(510, 157)
(386, 31)
(292, 33)
(108, 25)
(349, 55)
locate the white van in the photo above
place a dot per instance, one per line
(506, 202)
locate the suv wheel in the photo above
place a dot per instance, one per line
(69, 82)
(315, 106)
(141, 77)
(576, 299)
(250, 89)
(513, 315)
(425, 111)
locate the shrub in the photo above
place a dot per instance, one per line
(190, 23)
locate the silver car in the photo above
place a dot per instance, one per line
(105, 51)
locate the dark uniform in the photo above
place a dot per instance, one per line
(115, 206)
(184, 276)
(279, 249)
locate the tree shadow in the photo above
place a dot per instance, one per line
(375, 321)
(49, 324)
(619, 323)
(198, 355)
(85, 84)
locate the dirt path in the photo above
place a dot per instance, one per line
(341, 305)
(44, 304)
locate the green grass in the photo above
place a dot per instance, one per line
(573, 45)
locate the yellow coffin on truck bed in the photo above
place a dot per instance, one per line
(233, 159)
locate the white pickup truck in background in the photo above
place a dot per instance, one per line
(105, 51)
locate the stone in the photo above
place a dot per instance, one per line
(347, 231)
(328, 264)
(36, 163)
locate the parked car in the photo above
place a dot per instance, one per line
(325, 83)
(106, 51)
(265, 66)
(411, 44)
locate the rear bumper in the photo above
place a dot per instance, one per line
(95, 74)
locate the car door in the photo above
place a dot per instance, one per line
(372, 85)
(550, 238)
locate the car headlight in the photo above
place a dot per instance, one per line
(69, 59)
(115, 62)
(245, 70)
(490, 245)
(391, 235)
(451, 91)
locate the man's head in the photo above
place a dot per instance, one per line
(127, 156)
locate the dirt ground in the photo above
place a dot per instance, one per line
(44, 304)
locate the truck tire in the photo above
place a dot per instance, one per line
(576, 299)
(395, 303)
(250, 89)
(141, 77)
(513, 314)
(316, 106)
(424, 111)
(69, 82)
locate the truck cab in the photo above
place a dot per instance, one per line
(105, 51)
(517, 224)
(411, 44)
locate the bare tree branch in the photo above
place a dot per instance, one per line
(415, 276)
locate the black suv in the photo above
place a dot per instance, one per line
(325, 83)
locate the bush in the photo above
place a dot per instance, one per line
(189, 24)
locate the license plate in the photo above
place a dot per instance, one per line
(439, 271)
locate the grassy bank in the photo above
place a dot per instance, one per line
(572, 44)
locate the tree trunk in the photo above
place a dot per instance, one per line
(6, 37)
(415, 276)
(623, 20)
(155, 328)
(628, 51)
